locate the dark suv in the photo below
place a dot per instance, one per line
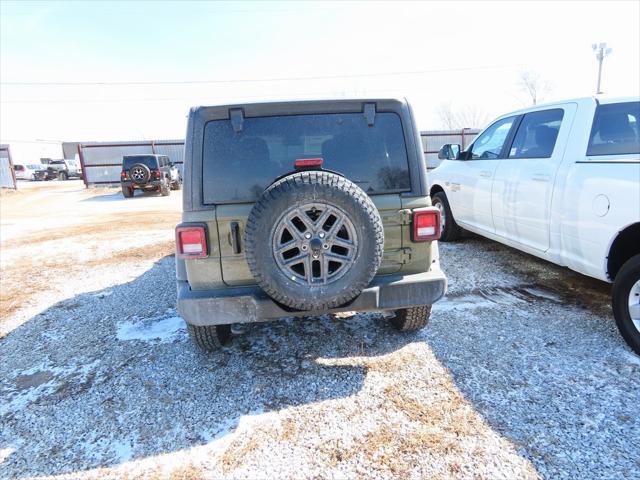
(149, 172)
(301, 209)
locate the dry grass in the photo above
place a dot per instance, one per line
(104, 227)
(33, 272)
(9, 192)
(185, 472)
(24, 279)
(240, 448)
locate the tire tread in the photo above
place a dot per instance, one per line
(285, 186)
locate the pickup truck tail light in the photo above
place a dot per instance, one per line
(191, 241)
(425, 224)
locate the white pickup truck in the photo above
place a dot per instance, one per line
(560, 181)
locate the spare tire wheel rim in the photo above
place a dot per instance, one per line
(137, 173)
(315, 243)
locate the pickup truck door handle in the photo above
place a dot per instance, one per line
(540, 177)
(235, 237)
(485, 173)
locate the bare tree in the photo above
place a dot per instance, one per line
(533, 85)
(469, 116)
(447, 116)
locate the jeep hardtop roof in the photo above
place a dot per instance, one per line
(199, 117)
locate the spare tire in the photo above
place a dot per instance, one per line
(139, 173)
(314, 240)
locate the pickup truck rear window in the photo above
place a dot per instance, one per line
(616, 130)
(238, 166)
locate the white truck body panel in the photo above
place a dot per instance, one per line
(567, 208)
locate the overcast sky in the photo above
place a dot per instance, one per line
(95, 71)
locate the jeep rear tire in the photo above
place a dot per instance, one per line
(449, 229)
(209, 337)
(127, 192)
(412, 318)
(314, 240)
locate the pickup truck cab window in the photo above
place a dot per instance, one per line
(489, 144)
(537, 134)
(616, 130)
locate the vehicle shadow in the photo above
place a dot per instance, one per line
(110, 376)
(542, 362)
(117, 196)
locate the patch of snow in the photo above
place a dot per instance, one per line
(536, 292)
(123, 450)
(16, 399)
(5, 452)
(161, 330)
(632, 358)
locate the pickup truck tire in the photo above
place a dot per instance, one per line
(412, 318)
(450, 229)
(62, 176)
(209, 337)
(626, 302)
(338, 258)
(127, 192)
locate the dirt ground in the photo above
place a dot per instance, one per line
(55, 233)
(521, 372)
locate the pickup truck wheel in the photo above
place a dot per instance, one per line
(449, 229)
(127, 192)
(314, 240)
(62, 176)
(209, 337)
(412, 318)
(626, 302)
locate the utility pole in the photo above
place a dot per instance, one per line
(601, 51)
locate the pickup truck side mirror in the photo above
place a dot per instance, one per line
(449, 151)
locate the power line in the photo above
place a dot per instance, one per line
(258, 80)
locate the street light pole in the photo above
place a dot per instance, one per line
(601, 51)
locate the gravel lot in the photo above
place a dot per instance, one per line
(520, 374)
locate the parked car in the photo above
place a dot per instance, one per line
(305, 208)
(559, 181)
(149, 172)
(30, 171)
(64, 169)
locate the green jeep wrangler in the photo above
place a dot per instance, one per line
(297, 209)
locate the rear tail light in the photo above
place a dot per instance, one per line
(191, 241)
(156, 173)
(123, 175)
(426, 224)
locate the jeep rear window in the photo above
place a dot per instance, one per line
(238, 166)
(150, 161)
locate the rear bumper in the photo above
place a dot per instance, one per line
(251, 304)
(149, 184)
